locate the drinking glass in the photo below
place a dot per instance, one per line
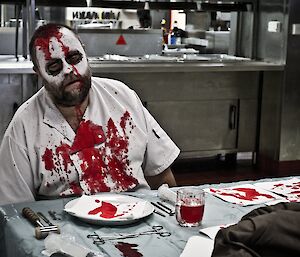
(190, 206)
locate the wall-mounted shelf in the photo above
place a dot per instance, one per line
(225, 5)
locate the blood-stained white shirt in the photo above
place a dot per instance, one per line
(117, 144)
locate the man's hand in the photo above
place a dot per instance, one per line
(166, 177)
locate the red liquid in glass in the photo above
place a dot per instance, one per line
(191, 214)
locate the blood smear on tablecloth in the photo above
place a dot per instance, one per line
(128, 250)
(289, 188)
(244, 195)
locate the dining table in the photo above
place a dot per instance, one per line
(17, 234)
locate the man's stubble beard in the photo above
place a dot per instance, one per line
(65, 98)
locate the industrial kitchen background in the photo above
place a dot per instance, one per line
(219, 76)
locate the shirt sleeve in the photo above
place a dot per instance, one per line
(161, 151)
(15, 173)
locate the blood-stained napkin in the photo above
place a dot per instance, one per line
(93, 206)
(288, 188)
(244, 195)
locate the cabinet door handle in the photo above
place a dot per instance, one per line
(232, 117)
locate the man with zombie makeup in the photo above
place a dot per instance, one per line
(79, 134)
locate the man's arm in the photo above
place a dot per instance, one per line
(15, 173)
(166, 177)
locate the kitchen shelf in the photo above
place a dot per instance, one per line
(225, 5)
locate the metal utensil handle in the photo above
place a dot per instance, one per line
(101, 240)
(166, 207)
(156, 230)
(232, 117)
(159, 207)
(31, 216)
(43, 217)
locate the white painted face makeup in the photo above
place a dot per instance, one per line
(58, 48)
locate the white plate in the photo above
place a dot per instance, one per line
(111, 198)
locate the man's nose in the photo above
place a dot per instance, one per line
(68, 68)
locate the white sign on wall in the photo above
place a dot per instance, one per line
(83, 13)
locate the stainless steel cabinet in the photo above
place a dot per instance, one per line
(15, 89)
(207, 125)
(205, 113)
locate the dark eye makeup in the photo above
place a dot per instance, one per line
(54, 66)
(74, 57)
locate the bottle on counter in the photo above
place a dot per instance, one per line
(172, 34)
(175, 35)
(165, 32)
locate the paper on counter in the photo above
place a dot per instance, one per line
(289, 188)
(244, 195)
(211, 232)
(92, 206)
(202, 246)
(198, 246)
(283, 200)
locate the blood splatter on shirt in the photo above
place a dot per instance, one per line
(88, 135)
(102, 155)
(48, 159)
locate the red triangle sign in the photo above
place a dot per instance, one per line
(121, 41)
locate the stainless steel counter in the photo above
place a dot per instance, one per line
(196, 66)
(9, 65)
(215, 92)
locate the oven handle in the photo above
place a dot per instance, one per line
(232, 117)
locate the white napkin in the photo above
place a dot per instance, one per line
(211, 232)
(124, 210)
(198, 246)
(165, 193)
(66, 243)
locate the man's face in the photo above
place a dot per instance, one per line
(63, 66)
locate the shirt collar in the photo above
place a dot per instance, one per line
(54, 118)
